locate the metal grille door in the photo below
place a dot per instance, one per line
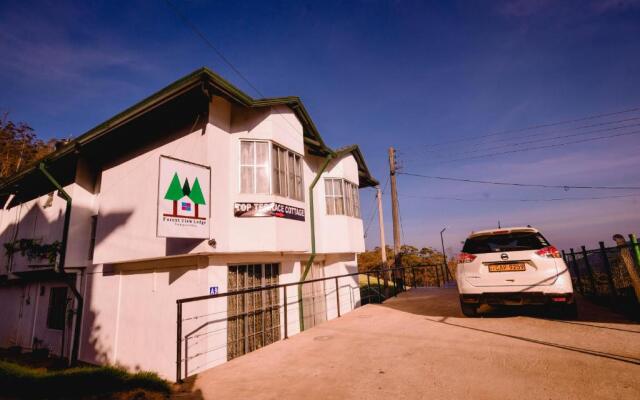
(253, 319)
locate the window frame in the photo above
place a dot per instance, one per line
(290, 183)
(349, 194)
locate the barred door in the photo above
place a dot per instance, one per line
(253, 319)
(314, 299)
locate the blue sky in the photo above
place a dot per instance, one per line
(403, 73)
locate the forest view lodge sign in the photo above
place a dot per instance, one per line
(183, 197)
(271, 209)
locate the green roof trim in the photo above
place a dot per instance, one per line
(207, 79)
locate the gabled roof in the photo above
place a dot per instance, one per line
(366, 180)
(209, 83)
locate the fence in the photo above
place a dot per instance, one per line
(604, 274)
(216, 328)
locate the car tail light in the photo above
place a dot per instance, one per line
(559, 299)
(464, 258)
(549, 251)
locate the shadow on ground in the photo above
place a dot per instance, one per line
(445, 303)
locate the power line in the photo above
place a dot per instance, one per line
(565, 187)
(541, 147)
(197, 31)
(521, 200)
(539, 126)
(544, 138)
(201, 35)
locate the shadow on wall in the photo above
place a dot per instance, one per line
(34, 225)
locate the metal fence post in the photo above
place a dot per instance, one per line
(404, 279)
(286, 314)
(338, 296)
(179, 343)
(368, 288)
(592, 277)
(413, 272)
(576, 267)
(636, 250)
(607, 267)
(379, 287)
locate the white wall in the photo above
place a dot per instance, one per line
(130, 313)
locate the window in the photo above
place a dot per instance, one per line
(92, 238)
(341, 197)
(284, 177)
(504, 242)
(253, 319)
(333, 196)
(57, 308)
(254, 164)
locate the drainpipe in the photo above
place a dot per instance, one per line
(307, 267)
(59, 267)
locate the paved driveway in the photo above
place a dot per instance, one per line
(418, 346)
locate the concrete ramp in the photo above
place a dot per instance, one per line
(419, 346)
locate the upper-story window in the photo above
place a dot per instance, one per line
(254, 167)
(280, 174)
(341, 197)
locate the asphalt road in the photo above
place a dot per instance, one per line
(419, 346)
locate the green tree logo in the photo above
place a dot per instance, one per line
(176, 192)
(196, 195)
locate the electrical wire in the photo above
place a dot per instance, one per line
(564, 187)
(545, 139)
(539, 126)
(521, 200)
(201, 35)
(540, 147)
(373, 209)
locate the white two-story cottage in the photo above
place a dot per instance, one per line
(198, 189)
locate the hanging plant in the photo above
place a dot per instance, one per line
(33, 250)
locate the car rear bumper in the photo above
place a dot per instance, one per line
(518, 298)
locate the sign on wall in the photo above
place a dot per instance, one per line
(271, 209)
(183, 199)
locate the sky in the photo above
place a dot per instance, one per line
(431, 79)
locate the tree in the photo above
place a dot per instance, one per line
(20, 146)
(196, 196)
(174, 193)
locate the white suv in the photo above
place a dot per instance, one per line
(513, 266)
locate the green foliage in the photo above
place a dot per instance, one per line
(19, 146)
(25, 382)
(410, 255)
(33, 250)
(175, 189)
(196, 193)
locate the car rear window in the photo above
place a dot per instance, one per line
(505, 242)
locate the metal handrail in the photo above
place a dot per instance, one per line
(377, 272)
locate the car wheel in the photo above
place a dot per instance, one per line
(469, 310)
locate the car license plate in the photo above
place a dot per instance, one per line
(512, 267)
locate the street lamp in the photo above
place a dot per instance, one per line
(444, 256)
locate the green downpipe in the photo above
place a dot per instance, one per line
(307, 267)
(59, 267)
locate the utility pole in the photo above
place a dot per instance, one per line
(383, 245)
(395, 213)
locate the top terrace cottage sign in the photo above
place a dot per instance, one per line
(183, 197)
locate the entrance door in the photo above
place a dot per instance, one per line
(314, 299)
(253, 319)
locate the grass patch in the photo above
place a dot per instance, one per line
(26, 382)
(373, 280)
